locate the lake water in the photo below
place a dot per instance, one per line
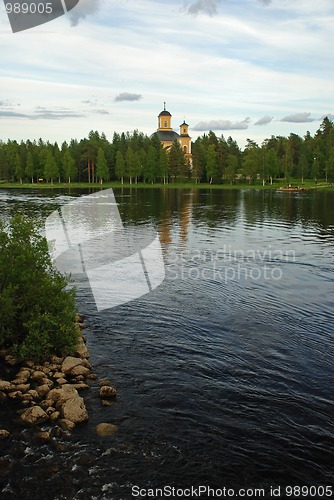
(225, 372)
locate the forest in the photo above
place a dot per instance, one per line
(134, 157)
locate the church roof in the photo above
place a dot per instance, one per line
(166, 135)
(165, 113)
(184, 124)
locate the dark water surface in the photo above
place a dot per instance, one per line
(225, 373)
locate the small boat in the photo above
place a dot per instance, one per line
(291, 189)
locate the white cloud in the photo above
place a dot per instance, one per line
(264, 120)
(221, 125)
(298, 118)
(126, 96)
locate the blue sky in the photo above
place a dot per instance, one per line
(243, 68)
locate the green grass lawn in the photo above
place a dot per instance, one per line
(307, 184)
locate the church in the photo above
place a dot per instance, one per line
(167, 135)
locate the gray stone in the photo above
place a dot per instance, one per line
(4, 434)
(69, 363)
(105, 430)
(107, 392)
(33, 416)
(74, 410)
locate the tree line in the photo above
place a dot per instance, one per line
(135, 157)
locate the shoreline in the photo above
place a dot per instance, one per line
(48, 396)
(306, 186)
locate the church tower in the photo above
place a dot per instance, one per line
(165, 119)
(185, 139)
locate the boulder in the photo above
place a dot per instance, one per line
(4, 434)
(62, 394)
(105, 430)
(43, 437)
(74, 410)
(23, 376)
(107, 392)
(82, 350)
(79, 370)
(37, 375)
(56, 361)
(69, 363)
(5, 386)
(66, 425)
(81, 386)
(61, 381)
(33, 393)
(42, 390)
(34, 416)
(54, 416)
(22, 387)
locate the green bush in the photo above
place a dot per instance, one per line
(37, 309)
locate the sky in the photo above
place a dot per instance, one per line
(248, 69)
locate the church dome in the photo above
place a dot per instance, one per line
(165, 113)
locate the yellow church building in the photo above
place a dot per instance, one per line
(167, 135)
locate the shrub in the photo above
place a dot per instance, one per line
(37, 308)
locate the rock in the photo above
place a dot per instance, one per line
(26, 397)
(37, 375)
(92, 376)
(105, 430)
(22, 387)
(66, 425)
(82, 350)
(33, 416)
(42, 390)
(62, 394)
(74, 410)
(107, 392)
(4, 434)
(58, 375)
(57, 361)
(15, 395)
(54, 416)
(29, 364)
(61, 381)
(81, 386)
(69, 363)
(47, 403)
(23, 376)
(46, 381)
(79, 371)
(5, 386)
(104, 381)
(43, 437)
(50, 410)
(106, 402)
(33, 393)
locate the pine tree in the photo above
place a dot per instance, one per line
(101, 166)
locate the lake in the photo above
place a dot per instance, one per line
(224, 372)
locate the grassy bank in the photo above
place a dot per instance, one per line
(307, 184)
